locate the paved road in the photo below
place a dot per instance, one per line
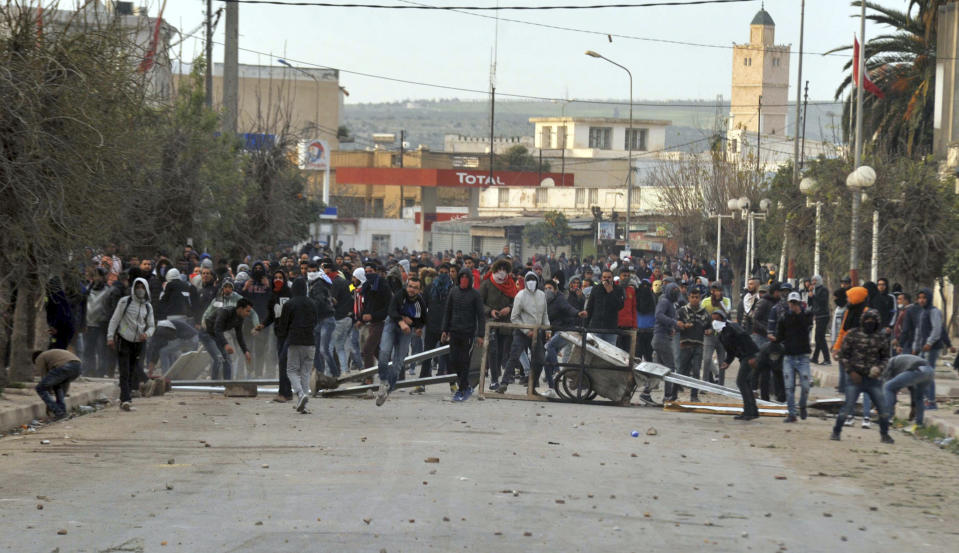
(352, 477)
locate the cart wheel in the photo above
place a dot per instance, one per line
(571, 387)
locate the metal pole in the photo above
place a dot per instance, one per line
(815, 260)
(874, 273)
(629, 172)
(805, 109)
(759, 132)
(719, 241)
(209, 53)
(802, 22)
(856, 194)
(402, 152)
(782, 256)
(231, 68)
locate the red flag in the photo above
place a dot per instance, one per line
(150, 58)
(869, 85)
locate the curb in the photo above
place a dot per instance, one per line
(949, 428)
(13, 418)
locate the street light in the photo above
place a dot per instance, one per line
(809, 187)
(744, 204)
(857, 181)
(629, 143)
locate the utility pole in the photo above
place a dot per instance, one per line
(759, 132)
(402, 154)
(856, 193)
(805, 109)
(796, 154)
(231, 69)
(209, 53)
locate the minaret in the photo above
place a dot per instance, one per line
(760, 68)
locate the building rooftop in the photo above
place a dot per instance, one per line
(763, 18)
(601, 120)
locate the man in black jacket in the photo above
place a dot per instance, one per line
(343, 317)
(437, 289)
(738, 343)
(819, 304)
(792, 332)
(603, 305)
(214, 340)
(376, 296)
(407, 317)
(321, 292)
(295, 329)
(281, 295)
(177, 298)
(464, 320)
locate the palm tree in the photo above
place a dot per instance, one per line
(903, 65)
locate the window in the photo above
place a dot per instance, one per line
(380, 243)
(409, 202)
(636, 137)
(546, 138)
(593, 196)
(502, 199)
(561, 137)
(734, 146)
(542, 196)
(580, 197)
(377, 207)
(747, 62)
(600, 137)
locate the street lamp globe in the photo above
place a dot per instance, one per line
(765, 204)
(744, 203)
(733, 204)
(808, 186)
(863, 177)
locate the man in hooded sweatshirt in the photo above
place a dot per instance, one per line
(321, 292)
(376, 297)
(928, 338)
(529, 308)
(294, 329)
(437, 286)
(96, 310)
(667, 324)
(856, 304)
(864, 353)
(259, 290)
(497, 291)
(177, 298)
(130, 327)
(464, 322)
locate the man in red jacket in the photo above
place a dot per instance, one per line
(626, 319)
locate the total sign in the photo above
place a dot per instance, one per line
(454, 177)
(314, 155)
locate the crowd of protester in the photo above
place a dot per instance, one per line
(294, 313)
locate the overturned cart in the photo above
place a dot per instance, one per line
(598, 368)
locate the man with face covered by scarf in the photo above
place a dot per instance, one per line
(464, 322)
(864, 353)
(529, 308)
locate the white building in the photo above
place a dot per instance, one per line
(458, 143)
(597, 137)
(774, 150)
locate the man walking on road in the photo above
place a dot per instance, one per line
(864, 353)
(295, 329)
(130, 327)
(464, 320)
(819, 304)
(792, 332)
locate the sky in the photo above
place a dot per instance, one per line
(455, 49)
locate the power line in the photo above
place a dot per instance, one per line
(628, 37)
(487, 8)
(513, 95)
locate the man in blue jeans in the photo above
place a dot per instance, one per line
(908, 371)
(57, 368)
(792, 332)
(864, 353)
(406, 317)
(928, 338)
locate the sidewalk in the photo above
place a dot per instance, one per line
(19, 406)
(947, 384)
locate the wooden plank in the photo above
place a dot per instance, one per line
(721, 409)
(482, 377)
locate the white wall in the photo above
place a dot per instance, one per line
(646, 199)
(402, 233)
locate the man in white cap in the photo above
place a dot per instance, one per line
(792, 332)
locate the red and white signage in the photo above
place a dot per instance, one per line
(454, 178)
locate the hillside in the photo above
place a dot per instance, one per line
(427, 121)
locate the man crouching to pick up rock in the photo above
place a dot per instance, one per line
(738, 343)
(864, 354)
(57, 368)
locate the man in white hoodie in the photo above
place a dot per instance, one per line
(130, 327)
(529, 308)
